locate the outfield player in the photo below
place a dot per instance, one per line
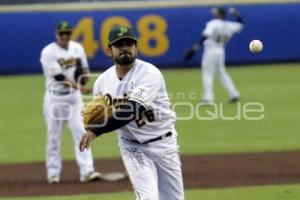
(63, 102)
(216, 34)
(144, 122)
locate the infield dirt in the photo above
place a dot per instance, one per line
(203, 171)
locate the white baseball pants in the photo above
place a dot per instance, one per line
(213, 62)
(154, 169)
(59, 110)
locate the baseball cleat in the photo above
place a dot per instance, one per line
(53, 179)
(93, 176)
(206, 102)
(234, 99)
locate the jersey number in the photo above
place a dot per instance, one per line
(149, 115)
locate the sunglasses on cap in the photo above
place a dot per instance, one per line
(65, 33)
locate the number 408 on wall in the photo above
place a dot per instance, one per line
(151, 29)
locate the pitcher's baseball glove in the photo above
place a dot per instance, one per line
(97, 111)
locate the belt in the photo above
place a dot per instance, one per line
(60, 92)
(168, 134)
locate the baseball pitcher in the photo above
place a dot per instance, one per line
(135, 101)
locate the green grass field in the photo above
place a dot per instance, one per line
(286, 192)
(276, 87)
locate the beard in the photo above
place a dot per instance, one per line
(125, 59)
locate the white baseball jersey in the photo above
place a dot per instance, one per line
(218, 32)
(144, 84)
(57, 60)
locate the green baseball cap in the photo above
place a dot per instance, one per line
(120, 32)
(219, 10)
(64, 26)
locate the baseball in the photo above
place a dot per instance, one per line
(256, 46)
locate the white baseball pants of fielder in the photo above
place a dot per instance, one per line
(213, 62)
(59, 110)
(154, 169)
